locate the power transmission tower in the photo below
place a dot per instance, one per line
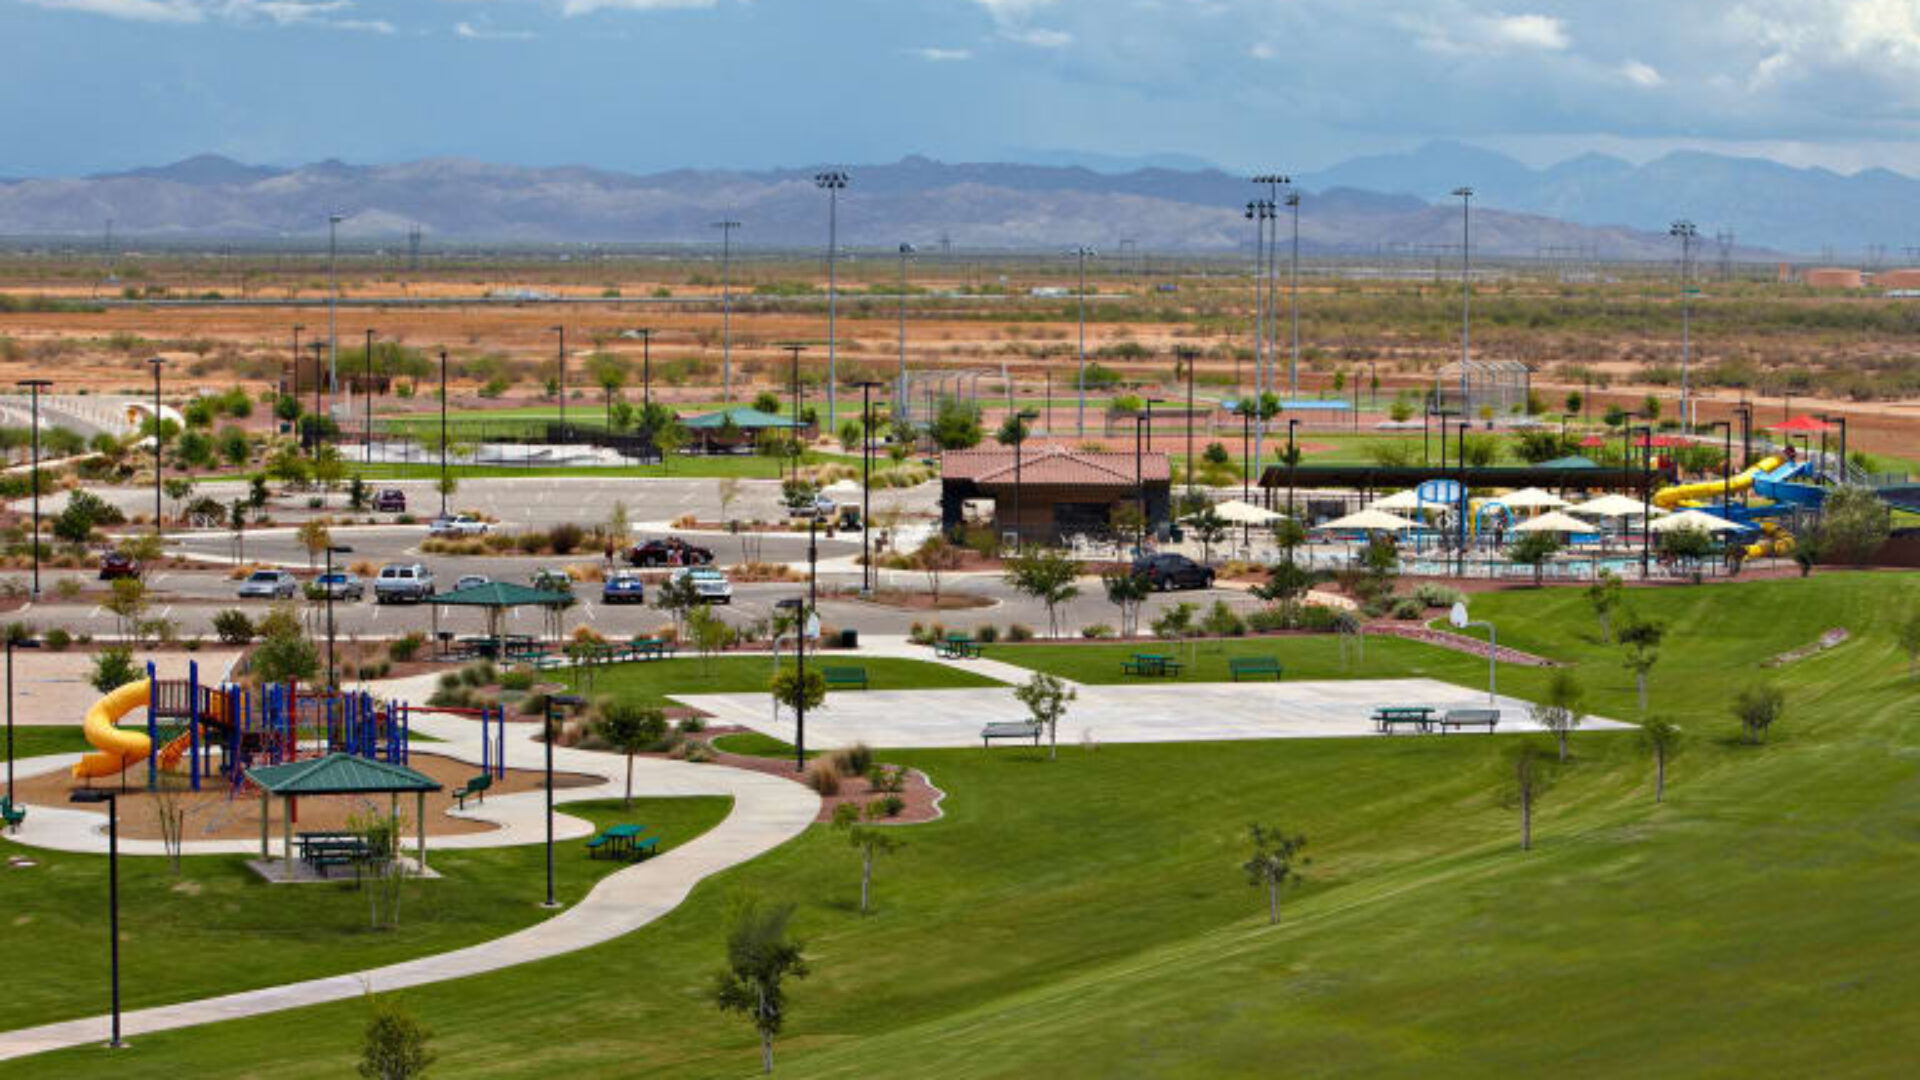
(1723, 240)
(413, 248)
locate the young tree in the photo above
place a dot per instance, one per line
(1535, 549)
(669, 437)
(630, 729)
(1757, 706)
(1908, 634)
(1127, 591)
(328, 467)
(1529, 774)
(869, 841)
(233, 446)
(1604, 595)
(1276, 857)
(394, 1046)
(790, 690)
(127, 602)
(1560, 712)
(1661, 736)
(316, 538)
(1046, 697)
(1688, 548)
(935, 556)
(1641, 638)
(677, 596)
(237, 521)
(710, 634)
(1209, 528)
(760, 958)
(1047, 575)
(1853, 525)
(1574, 401)
(729, 491)
(178, 488)
(1287, 582)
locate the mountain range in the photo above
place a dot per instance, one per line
(1592, 207)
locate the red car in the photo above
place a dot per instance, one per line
(390, 501)
(118, 564)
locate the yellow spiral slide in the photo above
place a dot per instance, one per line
(1668, 498)
(115, 749)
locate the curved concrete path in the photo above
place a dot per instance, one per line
(767, 812)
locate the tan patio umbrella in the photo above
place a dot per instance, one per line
(1554, 521)
(1370, 520)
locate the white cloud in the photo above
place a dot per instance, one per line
(1640, 74)
(936, 55)
(487, 33)
(587, 7)
(1526, 32)
(1039, 37)
(1013, 20)
(173, 11)
(319, 13)
(1260, 50)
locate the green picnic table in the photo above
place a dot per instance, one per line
(623, 842)
(1154, 665)
(956, 647)
(1388, 717)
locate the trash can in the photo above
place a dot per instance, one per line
(849, 639)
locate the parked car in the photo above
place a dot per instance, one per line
(553, 580)
(118, 564)
(1169, 571)
(402, 583)
(269, 585)
(340, 586)
(669, 551)
(390, 501)
(623, 587)
(711, 585)
(471, 581)
(458, 525)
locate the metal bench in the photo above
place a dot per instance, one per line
(476, 786)
(1014, 729)
(12, 813)
(1464, 718)
(845, 676)
(1253, 665)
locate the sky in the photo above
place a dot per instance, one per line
(1292, 85)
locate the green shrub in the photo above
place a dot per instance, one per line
(986, 633)
(1432, 594)
(855, 760)
(885, 778)
(517, 679)
(1266, 620)
(886, 806)
(1408, 608)
(233, 626)
(1222, 621)
(1019, 632)
(58, 639)
(1096, 631)
(692, 725)
(406, 648)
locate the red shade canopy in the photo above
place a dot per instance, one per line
(1805, 424)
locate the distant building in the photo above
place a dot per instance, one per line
(1897, 279)
(1832, 277)
(1058, 491)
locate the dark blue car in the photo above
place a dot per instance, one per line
(623, 587)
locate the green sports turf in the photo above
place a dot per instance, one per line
(653, 682)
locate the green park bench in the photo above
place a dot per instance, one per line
(845, 676)
(1253, 665)
(1011, 729)
(12, 813)
(1387, 718)
(1465, 718)
(476, 786)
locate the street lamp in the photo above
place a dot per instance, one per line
(900, 395)
(333, 303)
(156, 363)
(554, 703)
(833, 182)
(793, 352)
(561, 357)
(312, 431)
(1187, 356)
(1686, 232)
(326, 586)
(1083, 253)
(1465, 195)
(646, 373)
(11, 645)
(34, 386)
(107, 795)
(1646, 501)
(866, 486)
(726, 308)
(295, 390)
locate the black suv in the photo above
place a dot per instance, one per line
(1167, 571)
(671, 551)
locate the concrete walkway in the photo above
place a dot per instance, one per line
(767, 812)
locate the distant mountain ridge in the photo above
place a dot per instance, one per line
(1592, 204)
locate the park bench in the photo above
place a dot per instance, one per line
(12, 813)
(1013, 729)
(1150, 664)
(956, 647)
(845, 676)
(1387, 718)
(1464, 718)
(476, 786)
(649, 649)
(1253, 665)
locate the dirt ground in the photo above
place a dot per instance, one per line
(212, 815)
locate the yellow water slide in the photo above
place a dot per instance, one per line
(1668, 498)
(115, 748)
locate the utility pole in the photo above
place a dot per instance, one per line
(1083, 253)
(901, 397)
(833, 182)
(1465, 195)
(1685, 230)
(333, 303)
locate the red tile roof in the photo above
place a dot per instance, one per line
(1055, 467)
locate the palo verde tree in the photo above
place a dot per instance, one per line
(1276, 860)
(1127, 591)
(1661, 737)
(868, 841)
(1641, 638)
(630, 729)
(760, 959)
(1604, 596)
(1560, 710)
(1046, 697)
(1047, 575)
(1529, 775)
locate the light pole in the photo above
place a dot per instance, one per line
(833, 182)
(1293, 290)
(1686, 231)
(1020, 421)
(1083, 253)
(327, 586)
(900, 394)
(1139, 488)
(1465, 195)
(443, 433)
(333, 303)
(561, 357)
(646, 372)
(34, 386)
(366, 433)
(554, 703)
(1293, 459)
(107, 795)
(726, 308)
(793, 353)
(866, 486)
(1187, 357)
(156, 363)
(11, 645)
(1260, 212)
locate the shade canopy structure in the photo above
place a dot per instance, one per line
(1553, 521)
(338, 774)
(1696, 520)
(1571, 461)
(498, 596)
(744, 418)
(1235, 512)
(1408, 499)
(1369, 520)
(1803, 424)
(1530, 499)
(1615, 506)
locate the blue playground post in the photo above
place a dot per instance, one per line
(193, 723)
(500, 737)
(153, 728)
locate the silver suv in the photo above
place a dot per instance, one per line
(398, 582)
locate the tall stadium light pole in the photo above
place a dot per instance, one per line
(1082, 253)
(1465, 195)
(333, 303)
(1260, 212)
(560, 356)
(366, 432)
(900, 395)
(156, 363)
(1273, 182)
(314, 347)
(34, 386)
(1686, 232)
(726, 308)
(867, 581)
(646, 370)
(1187, 357)
(443, 433)
(1293, 289)
(295, 389)
(832, 182)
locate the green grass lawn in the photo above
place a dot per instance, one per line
(218, 928)
(1305, 656)
(754, 744)
(33, 740)
(1089, 917)
(653, 682)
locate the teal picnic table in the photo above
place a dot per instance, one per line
(1154, 665)
(1388, 717)
(623, 842)
(956, 647)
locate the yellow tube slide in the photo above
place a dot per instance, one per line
(1668, 498)
(117, 749)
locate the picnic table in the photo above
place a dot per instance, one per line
(623, 842)
(1388, 717)
(324, 849)
(956, 647)
(1154, 665)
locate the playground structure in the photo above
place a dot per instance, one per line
(245, 726)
